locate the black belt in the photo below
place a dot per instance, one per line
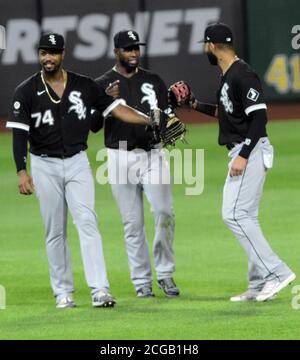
(230, 146)
(57, 156)
(130, 148)
(145, 148)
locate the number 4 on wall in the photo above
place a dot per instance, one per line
(284, 73)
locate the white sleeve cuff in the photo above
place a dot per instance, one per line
(114, 104)
(17, 125)
(252, 108)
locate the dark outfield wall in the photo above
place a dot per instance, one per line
(170, 29)
(274, 43)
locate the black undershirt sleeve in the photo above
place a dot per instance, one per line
(256, 130)
(162, 94)
(20, 139)
(205, 108)
(97, 121)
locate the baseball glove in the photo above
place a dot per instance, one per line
(180, 94)
(167, 128)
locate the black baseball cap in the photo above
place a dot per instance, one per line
(52, 41)
(127, 38)
(218, 33)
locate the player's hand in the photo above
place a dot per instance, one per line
(25, 183)
(238, 166)
(113, 89)
(179, 94)
(167, 128)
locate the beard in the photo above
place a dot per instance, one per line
(50, 68)
(130, 68)
(213, 60)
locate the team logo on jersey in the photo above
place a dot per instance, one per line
(228, 106)
(17, 105)
(78, 105)
(52, 39)
(131, 35)
(150, 95)
(252, 94)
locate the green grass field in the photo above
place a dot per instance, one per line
(211, 266)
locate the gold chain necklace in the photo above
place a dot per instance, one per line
(236, 58)
(46, 87)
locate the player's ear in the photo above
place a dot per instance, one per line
(211, 46)
(116, 52)
(63, 55)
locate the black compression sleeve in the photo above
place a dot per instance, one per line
(257, 130)
(208, 109)
(20, 138)
(97, 121)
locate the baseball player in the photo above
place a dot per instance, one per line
(144, 91)
(52, 110)
(242, 115)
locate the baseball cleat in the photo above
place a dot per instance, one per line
(248, 295)
(273, 287)
(144, 292)
(65, 302)
(103, 299)
(169, 287)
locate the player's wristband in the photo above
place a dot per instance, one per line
(245, 151)
(208, 109)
